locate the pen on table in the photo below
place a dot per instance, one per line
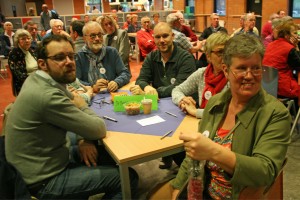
(171, 114)
(109, 118)
(165, 135)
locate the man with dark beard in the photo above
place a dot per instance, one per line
(35, 139)
(100, 66)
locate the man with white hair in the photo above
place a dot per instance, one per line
(8, 27)
(174, 22)
(145, 37)
(214, 27)
(186, 30)
(100, 66)
(249, 25)
(57, 27)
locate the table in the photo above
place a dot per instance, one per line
(129, 149)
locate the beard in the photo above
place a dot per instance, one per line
(95, 47)
(67, 76)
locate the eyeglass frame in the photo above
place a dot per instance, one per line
(93, 35)
(219, 53)
(54, 58)
(244, 73)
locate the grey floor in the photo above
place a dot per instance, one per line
(150, 174)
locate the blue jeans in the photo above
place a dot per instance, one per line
(78, 181)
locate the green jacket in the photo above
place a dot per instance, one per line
(260, 141)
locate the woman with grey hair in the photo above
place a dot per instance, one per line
(207, 81)
(21, 60)
(245, 129)
(115, 37)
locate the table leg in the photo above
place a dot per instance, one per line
(125, 181)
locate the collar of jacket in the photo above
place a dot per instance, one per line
(247, 114)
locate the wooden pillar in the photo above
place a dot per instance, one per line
(203, 7)
(79, 6)
(158, 4)
(179, 4)
(105, 6)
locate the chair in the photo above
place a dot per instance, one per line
(270, 84)
(3, 72)
(274, 191)
(14, 91)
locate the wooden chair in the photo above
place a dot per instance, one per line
(14, 91)
(274, 191)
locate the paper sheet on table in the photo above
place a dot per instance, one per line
(151, 120)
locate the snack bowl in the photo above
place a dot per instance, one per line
(132, 108)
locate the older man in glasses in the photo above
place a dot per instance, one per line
(57, 28)
(36, 128)
(100, 66)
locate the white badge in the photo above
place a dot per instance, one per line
(173, 80)
(207, 95)
(102, 70)
(116, 37)
(205, 133)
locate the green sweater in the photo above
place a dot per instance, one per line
(260, 142)
(35, 140)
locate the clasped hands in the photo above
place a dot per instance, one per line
(111, 86)
(188, 105)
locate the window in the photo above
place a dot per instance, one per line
(220, 7)
(295, 8)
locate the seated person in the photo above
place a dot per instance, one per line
(133, 27)
(35, 139)
(155, 20)
(162, 70)
(186, 30)
(32, 28)
(128, 22)
(100, 66)
(145, 37)
(242, 24)
(22, 60)
(285, 59)
(165, 67)
(207, 81)
(115, 37)
(175, 23)
(249, 25)
(57, 28)
(214, 27)
(243, 125)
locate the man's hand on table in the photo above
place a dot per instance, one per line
(78, 101)
(88, 152)
(150, 90)
(112, 86)
(136, 89)
(101, 83)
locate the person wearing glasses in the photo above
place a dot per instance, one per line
(35, 139)
(244, 133)
(115, 37)
(57, 28)
(249, 25)
(206, 81)
(32, 28)
(22, 59)
(98, 65)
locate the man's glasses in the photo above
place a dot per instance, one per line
(25, 38)
(60, 58)
(58, 27)
(240, 73)
(94, 35)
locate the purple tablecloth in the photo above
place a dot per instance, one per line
(127, 123)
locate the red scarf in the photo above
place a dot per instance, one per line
(213, 84)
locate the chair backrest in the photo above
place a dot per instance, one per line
(14, 91)
(270, 80)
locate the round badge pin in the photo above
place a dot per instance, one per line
(206, 133)
(102, 70)
(173, 80)
(207, 95)
(116, 37)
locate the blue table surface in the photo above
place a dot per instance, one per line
(129, 124)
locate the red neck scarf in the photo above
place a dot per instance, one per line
(213, 84)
